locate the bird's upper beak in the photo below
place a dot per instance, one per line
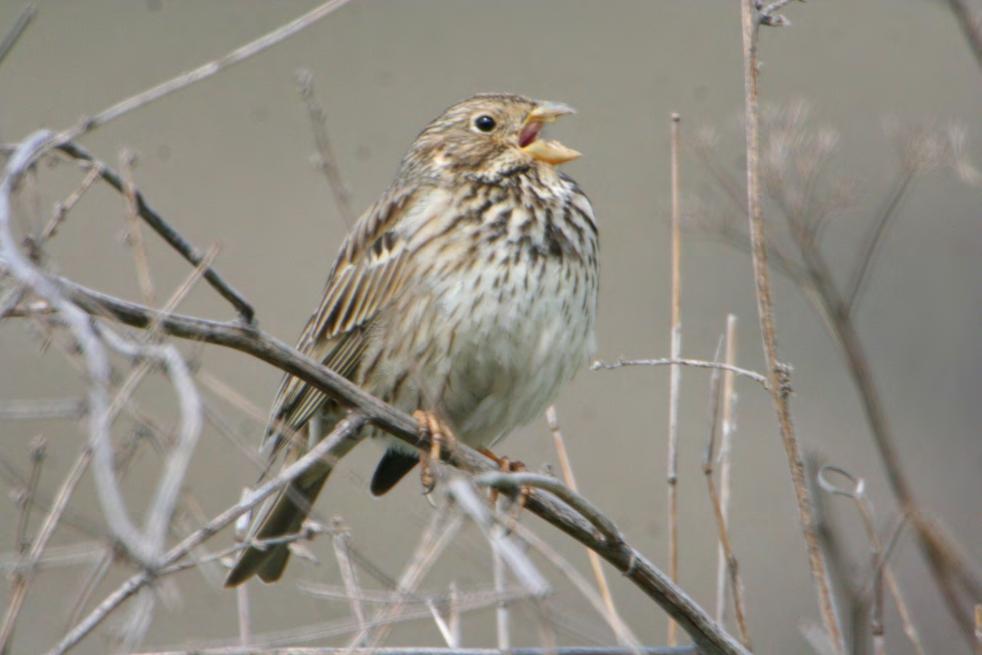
(550, 152)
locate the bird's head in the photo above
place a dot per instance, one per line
(488, 135)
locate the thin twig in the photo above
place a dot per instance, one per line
(63, 139)
(334, 446)
(443, 527)
(164, 229)
(65, 206)
(427, 650)
(525, 571)
(873, 238)
(856, 492)
(134, 237)
(728, 428)
(500, 577)
(326, 159)
(675, 374)
(392, 597)
(570, 572)
(23, 580)
(697, 363)
(765, 311)
(970, 23)
(202, 72)
(17, 30)
(732, 564)
(26, 499)
(566, 466)
(99, 571)
(342, 553)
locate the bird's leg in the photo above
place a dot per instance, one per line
(440, 436)
(506, 465)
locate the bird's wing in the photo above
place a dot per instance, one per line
(369, 272)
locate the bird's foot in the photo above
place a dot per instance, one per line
(506, 465)
(441, 437)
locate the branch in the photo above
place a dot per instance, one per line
(698, 363)
(569, 650)
(342, 439)
(692, 618)
(603, 587)
(970, 24)
(202, 72)
(163, 228)
(765, 311)
(675, 372)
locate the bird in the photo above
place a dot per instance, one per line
(466, 294)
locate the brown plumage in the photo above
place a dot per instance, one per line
(468, 290)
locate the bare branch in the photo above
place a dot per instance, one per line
(163, 228)
(202, 72)
(326, 159)
(874, 237)
(864, 507)
(698, 363)
(970, 23)
(254, 342)
(675, 373)
(727, 428)
(342, 550)
(334, 446)
(765, 311)
(732, 565)
(574, 650)
(613, 616)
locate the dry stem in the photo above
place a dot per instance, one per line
(552, 418)
(728, 427)
(675, 373)
(732, 565)
(765, 311)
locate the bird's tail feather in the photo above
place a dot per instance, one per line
(285, 517)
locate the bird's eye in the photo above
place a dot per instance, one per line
(484, 123)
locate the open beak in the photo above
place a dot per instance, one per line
(550, 152)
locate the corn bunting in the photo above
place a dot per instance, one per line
(467, 292)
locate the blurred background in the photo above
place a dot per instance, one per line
(228, 161)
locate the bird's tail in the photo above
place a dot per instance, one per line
(285, 516)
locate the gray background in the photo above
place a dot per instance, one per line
(228, 161)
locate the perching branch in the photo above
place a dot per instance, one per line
(692, 618)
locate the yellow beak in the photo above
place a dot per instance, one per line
(550, 152)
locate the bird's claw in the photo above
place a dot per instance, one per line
(441, 437)
(507, 465)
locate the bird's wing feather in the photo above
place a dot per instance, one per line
(369, 272)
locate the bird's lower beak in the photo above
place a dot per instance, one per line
(550, 152)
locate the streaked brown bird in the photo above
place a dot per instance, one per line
(467, 292)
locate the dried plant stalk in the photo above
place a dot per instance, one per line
(765, 312)
(675, 374)
(566, 467)
(727, 428)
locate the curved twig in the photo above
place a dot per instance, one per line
(697, 363)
